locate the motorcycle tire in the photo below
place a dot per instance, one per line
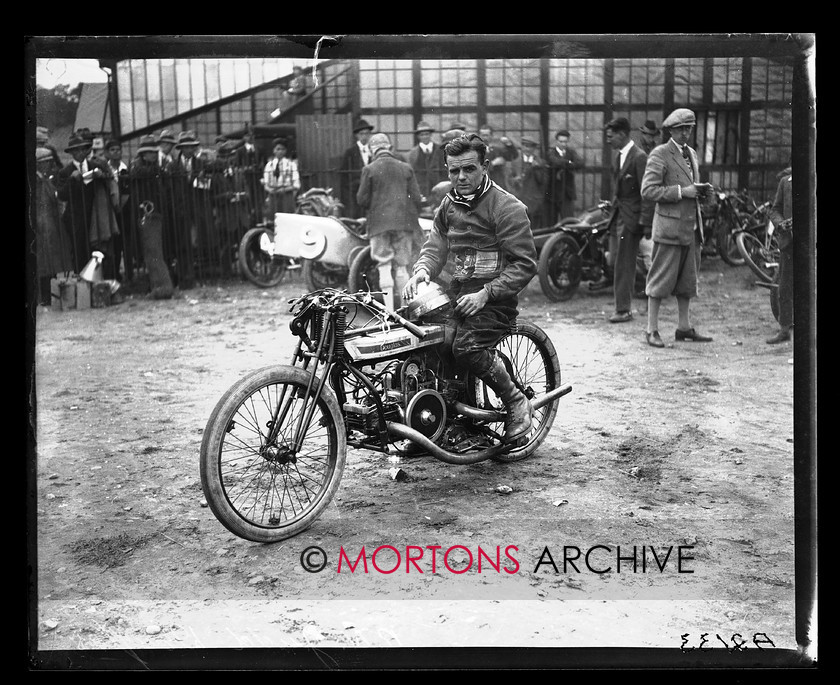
(535, 367)
(249, 487)
(319, 275)
(259, 267)
(364, 272)
(560, 269)
(762, 260)
(727, 246)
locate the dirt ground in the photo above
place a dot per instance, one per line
(687, 448)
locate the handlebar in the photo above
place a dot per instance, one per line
(414, 329)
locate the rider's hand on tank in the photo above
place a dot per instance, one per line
(473, 303)
(410, 289)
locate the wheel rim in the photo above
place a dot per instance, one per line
(564, 267)
(532, 369)
(263, 268)
(261, 483)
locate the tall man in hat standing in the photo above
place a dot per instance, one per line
(389, 192)
(631, 215)
(426, 158)
(672, 181)
(564, 162)
(487, 231)
(91, 194)
(352, 161)
(649, 136)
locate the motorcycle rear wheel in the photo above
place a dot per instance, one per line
(255, 490)
(536, 368)
(559, 267)
(257, 265)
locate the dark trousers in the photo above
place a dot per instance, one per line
(786, 287)
(474, 337)
(624, 278)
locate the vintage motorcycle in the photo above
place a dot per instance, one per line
(574, 251)
(361, 376)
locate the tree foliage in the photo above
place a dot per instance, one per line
(56, 107)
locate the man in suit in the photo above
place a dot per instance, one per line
(91, 193)
(563, 161)
(389, 192)
(426, 158)
(631, 215)
(352, 161)
(528, 181)
(672, 181)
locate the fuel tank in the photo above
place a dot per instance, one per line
(391, 343)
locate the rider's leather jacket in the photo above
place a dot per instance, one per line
(490, 238)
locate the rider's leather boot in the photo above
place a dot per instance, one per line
(519, 412)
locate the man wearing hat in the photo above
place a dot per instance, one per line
(500, 151)
(389, 193)
(166, 142)
(528, 180)
(90, 192)
(564, 161)
(630, 217)
(649, 136)
(426, 158)
(352, 161)
(42, 140)
(52, 242)
(672, 181)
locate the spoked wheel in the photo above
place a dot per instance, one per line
(536, 369)
(559, 267)
(364, 272)
(727, 246)
(267, 492)
(257, 261)
(760, 253)
(318, 275)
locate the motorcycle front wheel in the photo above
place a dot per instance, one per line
(536, 370)
(258, 265)
(559, 267)
(266, 492)
(319, 275)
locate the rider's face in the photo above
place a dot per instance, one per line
(466, 171)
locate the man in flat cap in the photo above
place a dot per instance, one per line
(672, 181)
(353, 160)
(528, 179)
(388, 191)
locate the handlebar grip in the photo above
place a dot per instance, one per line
(410, 327)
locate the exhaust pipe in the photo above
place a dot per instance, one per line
(404, 432)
